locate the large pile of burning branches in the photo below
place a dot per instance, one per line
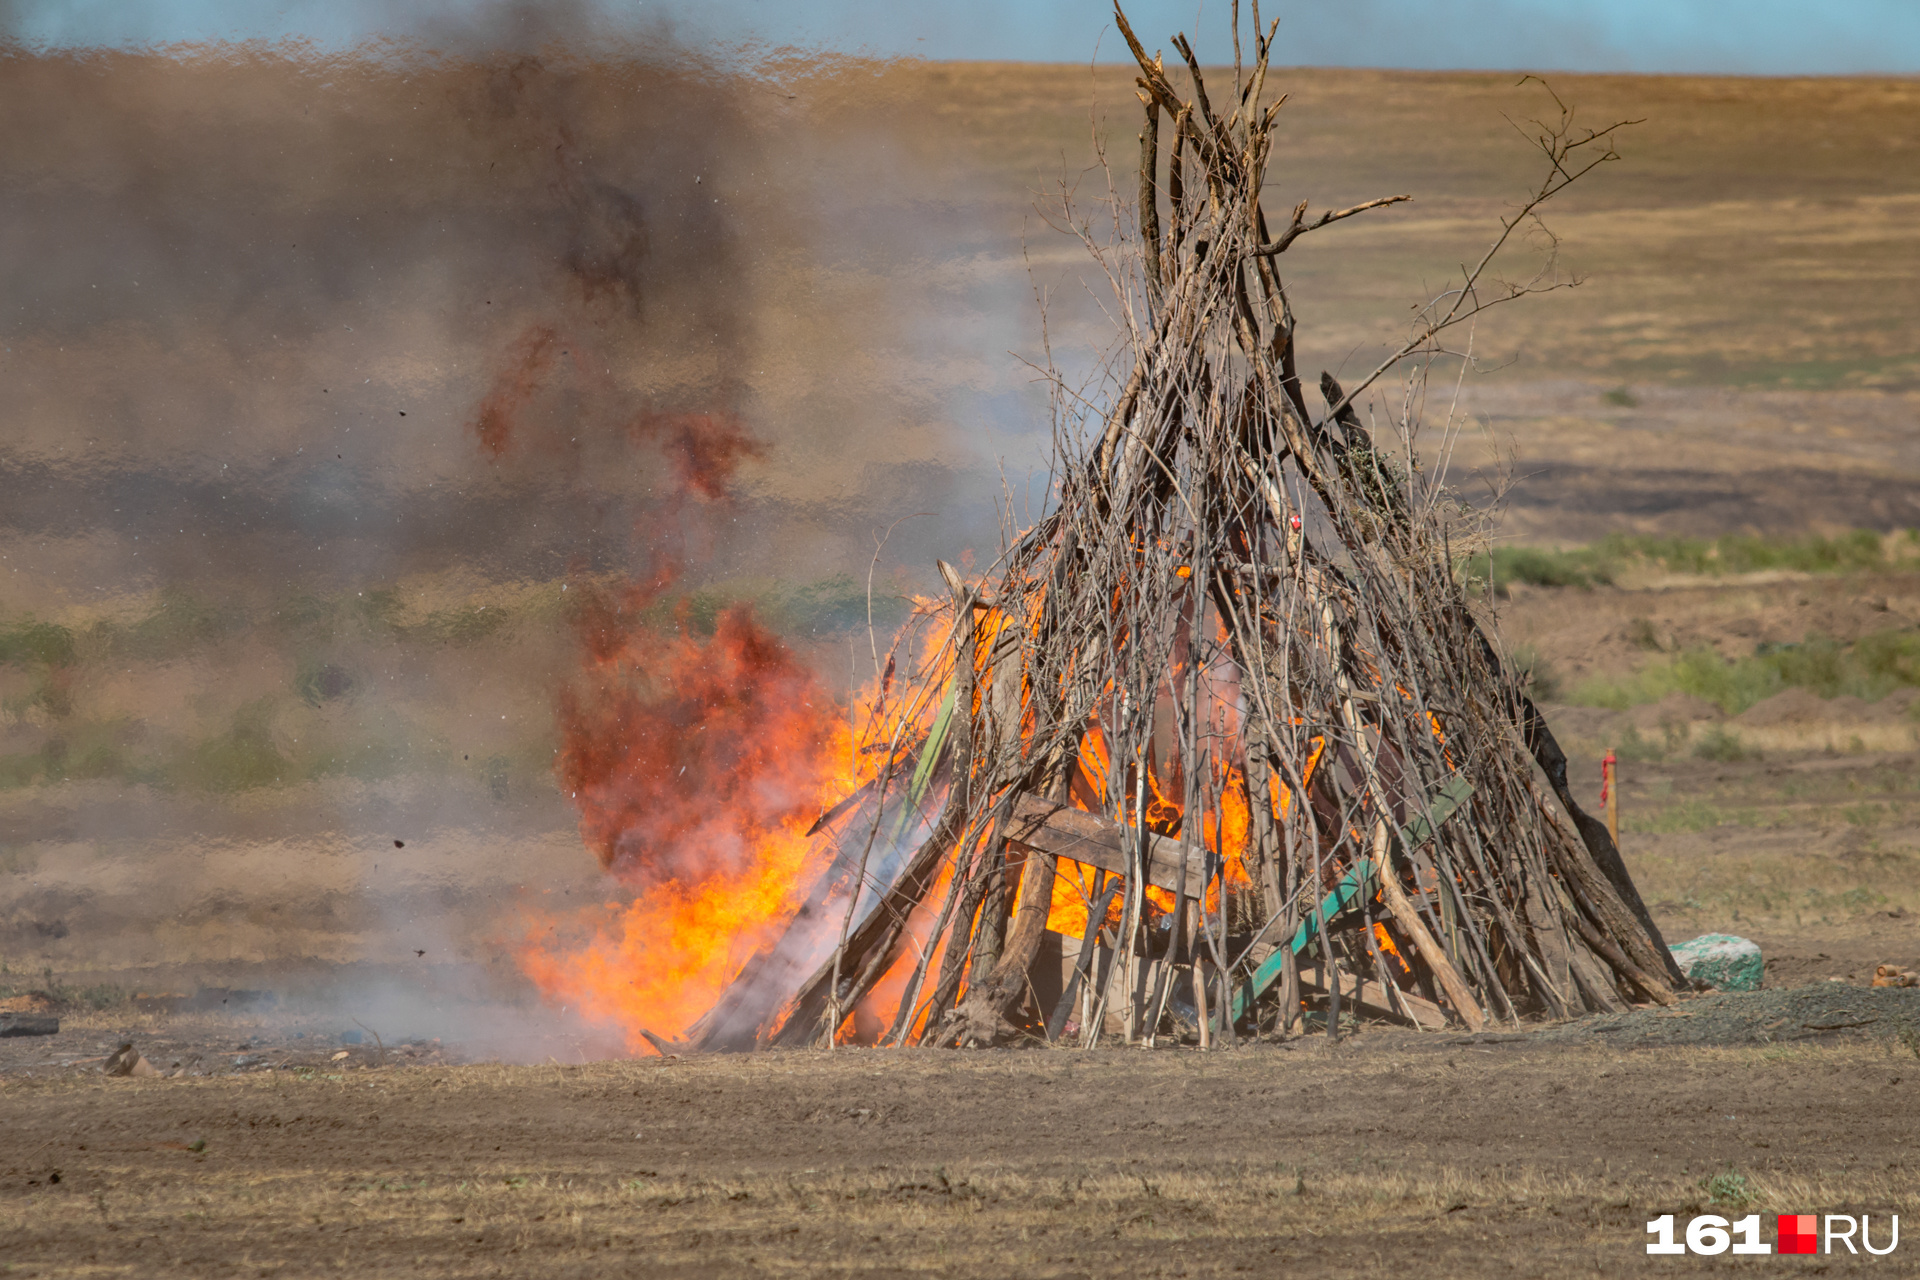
(1220, 742)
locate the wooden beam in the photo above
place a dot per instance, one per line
(1051, 826)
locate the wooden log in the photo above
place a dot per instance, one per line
(971, 882)
(987, 1003)
(1604, 947)
(1555, 964)
(1198, 970)
(1602, 851)
(1596, 985)
(1459, 995)
(664, 1047)
(1052, 827)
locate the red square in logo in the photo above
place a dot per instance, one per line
(1799, 1233)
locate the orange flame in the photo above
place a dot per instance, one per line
(697, 766)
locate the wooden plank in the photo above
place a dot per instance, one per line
(1362, 875)
(1051, 826)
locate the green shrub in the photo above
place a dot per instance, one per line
(1718, 743)
(1870, 668)
(466, 625)
(1538, 567)
(1631, 748)
(36, 644)
(1859, 551)
(1601, 563)
(241, 758)
(1730, 1189)
(179, 624)
(373, 613)
(21, 769)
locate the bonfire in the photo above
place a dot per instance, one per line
(1224, 740)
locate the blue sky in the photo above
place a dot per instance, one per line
(1776, 37)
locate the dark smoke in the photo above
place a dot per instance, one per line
(341, 319)
(323, 378)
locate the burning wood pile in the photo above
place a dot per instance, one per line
(1220, 743)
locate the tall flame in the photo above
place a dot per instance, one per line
(696, 763)
(697, 766)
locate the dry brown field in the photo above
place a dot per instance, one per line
(1454, 1159)
(1740, 357)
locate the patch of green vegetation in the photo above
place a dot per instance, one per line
(1619, 397)
(1722, 744)
(1632, 748)
(77, 751)
(467, 624)
(1848, 902)
(829, 606)
(1851, 370)
(331, 646)
(1870, 668)
(1604, 562)
(31, 643)
(372, 614)
(52, 691)
(1706, 367)
(364, 760)
(1688, 815)
(1863, 815)
(1855, 552)
(1729, 1189)
(1583, 567)
(179, 624)
(242, 757)
(249, 752)
(101, 996)
(1772, 887)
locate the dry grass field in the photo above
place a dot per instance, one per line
(303, 741)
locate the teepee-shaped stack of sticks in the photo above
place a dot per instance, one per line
(1227, 716)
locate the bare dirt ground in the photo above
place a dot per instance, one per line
(1441, 1155)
